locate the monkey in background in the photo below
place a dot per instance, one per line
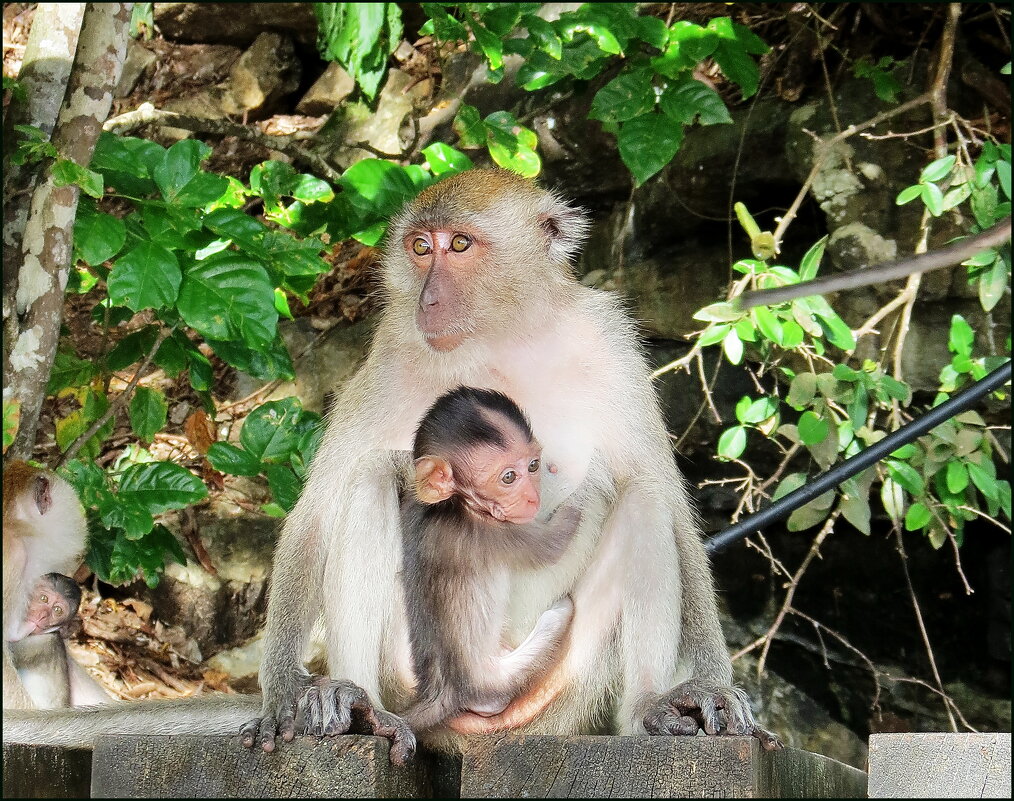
(467, 522)
(49, 674)
(43, 532)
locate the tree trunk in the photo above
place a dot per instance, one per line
(41, 266)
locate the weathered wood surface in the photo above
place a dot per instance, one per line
(506, 766)
(650, 767)
(940, 765)
(219, 767)
(45, 771)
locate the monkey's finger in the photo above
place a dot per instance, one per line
(769, 740)
(403, 744)
(248, 732)
(268, 729)
(287, 727)
(662, 721)
(711, 721)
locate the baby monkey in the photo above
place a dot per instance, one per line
(467, 522)
(37, 645)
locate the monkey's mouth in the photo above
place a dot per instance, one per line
(447, 339)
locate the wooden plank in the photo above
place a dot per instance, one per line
(940, 765)
(46, 771)
(219, 766)
(649, 767)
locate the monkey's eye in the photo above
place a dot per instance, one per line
(533, 466)
(420, 247)
(58, 610)
(509, 477)
(460, 243)
(44, 598)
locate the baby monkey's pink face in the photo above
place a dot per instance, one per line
(507, 480)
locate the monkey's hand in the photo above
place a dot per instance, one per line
(696, 705)
(337, 706)
(278, 714)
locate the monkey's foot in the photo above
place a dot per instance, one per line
(278, 716)
(696, 705)
(337, 706)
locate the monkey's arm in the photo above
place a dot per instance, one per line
(538, 544)
(84, 690)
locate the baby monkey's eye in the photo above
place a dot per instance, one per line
(44, 598)
(533, 466)
(420, 247)
(509, 477)
(460, 243)
(58, 610)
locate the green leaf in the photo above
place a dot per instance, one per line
(933, 198)
(984, 480)
(179, 166)
(227, 458)
(444, 159)
(146, 277)
(907, 476)
(653, 31)
(97, 237)
(767, 323)
(285, 486)
(69, 371)
(733, 347)
(732, 443)
(469, 127)
(230, 297)
(148, 409)
(271, 432)
(917, 517)
(937, 170)
(957, 477)
(630, 94)
(713, 334)
(993, 284)
(648, 143)
(694, 42)
(1003, 175)
(908, 194)
(962, 337)
(489, 43)
(855, 507)
(721, 312)
(790, 483)
(802, 390)
(160, 486)
(760, 410)
(11, 421)
(67, 172)
(689, 99)
(810, 263)
(812, 429)
(735, 43)
(268, 364)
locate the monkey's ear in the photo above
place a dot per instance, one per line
(434, 479)
(565, 228)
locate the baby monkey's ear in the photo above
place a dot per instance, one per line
(434, 479)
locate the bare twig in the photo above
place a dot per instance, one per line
(827, 147)
(922, 627)
(825, 531)
(117, 402)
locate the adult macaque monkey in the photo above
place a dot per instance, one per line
(468, 523)
(49, 674)
(480, 293)
(43, 532)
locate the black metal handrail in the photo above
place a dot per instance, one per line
(837, 474)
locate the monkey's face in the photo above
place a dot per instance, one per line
(478, 254)
(48, 610)
(505, 481)
(447, 260)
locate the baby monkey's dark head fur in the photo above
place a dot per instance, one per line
(456, 422)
